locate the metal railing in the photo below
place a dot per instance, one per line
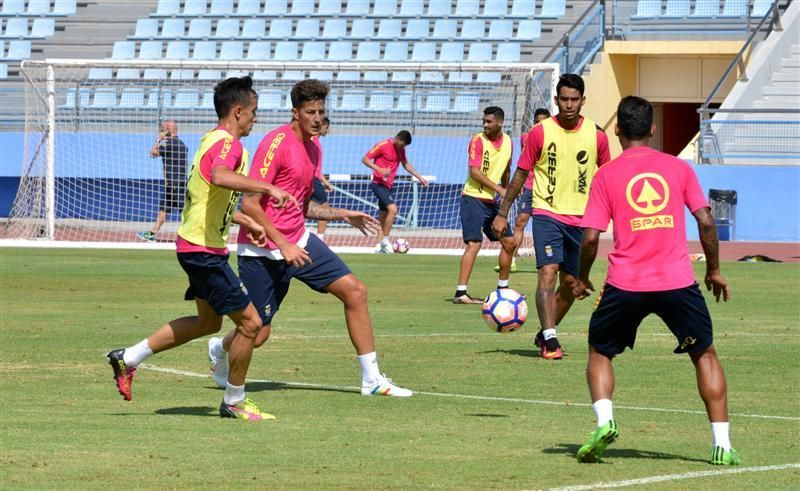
(577, 47)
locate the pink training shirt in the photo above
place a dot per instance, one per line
(532, 152)
(385, 155)
(284, 160)
(644, 192)
(318, 142)
(213, 157)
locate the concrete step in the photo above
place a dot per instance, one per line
(781, 89)
(792, 76)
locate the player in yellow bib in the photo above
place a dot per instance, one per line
(212, 193)
(489, 161)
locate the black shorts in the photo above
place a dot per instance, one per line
(212, 279)
(385, 195)
(477, 217)
(618, 314)
(320, 194)
(172, 198)
(268, 279)
(556, 243)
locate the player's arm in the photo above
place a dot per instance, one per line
(155, 149)
(255, 231)
(325, 182)
(366, 224)
(500, 222)
(411, 170)
(710, 242)
(224, 177)
(583, 286)
(292, 253)
(369, 162)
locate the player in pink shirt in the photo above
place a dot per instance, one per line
(384, 159)
(288, 158)
(321, 184)
(649, 272)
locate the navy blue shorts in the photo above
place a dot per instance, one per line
(525, 201)
(476, 219)
(268, 280)
(618, 314)
(385, 195)
(212, 279)
(320, 194)
(556, 243)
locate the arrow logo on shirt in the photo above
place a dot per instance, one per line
(648, 196)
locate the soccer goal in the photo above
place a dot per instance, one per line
(87, 177)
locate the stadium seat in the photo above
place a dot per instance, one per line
(385, 8)
(495, 8)
(207, 101)
(203, 50)
(677, 8)
(445, 29)
(18, 50)
(431, 77)
(82, 99)
(248, 8)
(761, 7)
(312, 51)
(16, 27)
(199, 29)
(523, 8)
(3, 71)
(194, 8)
(156, 99)
(452, 52)
(368, 51)
(436, 101)
(473, 29)
(381, 100)
(146, 29)
(325, 75)
(177, 50)
(154, 74)
(276, 8)
(389, 29)
(168, 8)
(466, 102)
(488, 77)
(417, 29)
(480, 52)
(302, 7)
(553, 9)
(508, 53)
(334, 29)
(646, 9)
(173, 28)
(43, 28)
(396, 51)
(13, 7)
(264, 75)
(65, 7)
(131, 98)
(253, 29)
(99, 74)
(704, 8)
(235, 74)
(280, 29)
(404, 101)
(307, 29)
(329, 8)
(227, 28)
(340, 51)
(38, 7)
(734, 8)
(186, 99)
(459, 77)
(259, 51)
(181, 75)
(128, 74)
(231, 51)
(353, 100)
(411, 8)
(437, 10)
(376, 76)
(403, 77)
(348, 76)
(221, 8)
(209, 75)
(285, 51)
(104, 97)
(501, 29)
(363, 29)
(528, 30)
(423, 51)
(357, 8)
(467, 8)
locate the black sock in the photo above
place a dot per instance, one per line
(460, 293)
(552, 344)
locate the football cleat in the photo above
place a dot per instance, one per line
(246, 410)
(384, 387)
(217, 364)
(538, 341)
(592, 451)
(123, 374)
(720, 456)
(466, 300)
(146, 236)
(551, 349)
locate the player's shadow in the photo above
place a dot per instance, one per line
(571, 449)
(526, 353)
(189, 411)
(488, 415)
(269, 386)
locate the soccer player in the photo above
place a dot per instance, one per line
(525, 201)
(173, 154)
(384, 159)
(287, 157)
(489, 163)
(564, 153)
(649, 272)
(216, 175)
(321, 185)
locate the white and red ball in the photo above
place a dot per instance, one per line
(400, 246)
(505, 310)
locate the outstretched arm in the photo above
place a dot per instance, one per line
(411, 170)
(251, 208)
(710, 242)
(226, 178)
(366, 224)
(583, 286)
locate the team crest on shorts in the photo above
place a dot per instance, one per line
(548, 251)
(268, 310)
(244, 288)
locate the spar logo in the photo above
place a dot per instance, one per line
(648, 194)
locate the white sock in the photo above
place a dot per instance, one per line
(217, 349)
(603, 410)
(369, 368)
(502, 283)
(234, 394)
(137, 353)
(720, 436)
(461, 288)
(549, 333)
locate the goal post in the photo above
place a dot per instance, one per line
(87, 177)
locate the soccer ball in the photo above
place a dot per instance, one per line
(505, 310)
(400, 246)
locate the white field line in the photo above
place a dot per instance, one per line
(466, 396)
(676, 477)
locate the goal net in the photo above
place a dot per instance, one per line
(88, 178)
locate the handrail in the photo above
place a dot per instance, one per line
(564, 41)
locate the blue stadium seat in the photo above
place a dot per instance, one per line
(82, 99)
(358, 8)
(173, 28)
(368, 51)
(760, 8)
(404, 100)
(646, 9)
(203, 50)
(528, 30)
(384, 8)
(209, 75)
(437, 101)
(445, 29)
(376, 76)
(381, 100)
(704, 8)
(177, 50)
(501, 29)
(13, 7)
(480, 52)
(417, 29)
(473, 29)
(423, 51)
(523, 8)
(235, 74)
(459, 77)
(181, 75)
(265, 75)
(348, 76)
(303, 7)
(99, 74)
(324, 75)
(186, 99)
(285, 51)
(452, 52)
(248, 8)
(253, 28)
(340, 51)
(431, 77)
(154, 74)
(43, 28)
(389, 29)
(194, 8)
(16, 27)
(227, 28)
(128, 74)
(396, 51)
(38, 7)
(157, 98)
(146, 29)
(466, 102)
(221, 7)
(467, 8)
(280, 29)
(734, 8)
(293, 75)
(168, 7)
(276, 8)
(438, 10)
(199, 29)
(411, 8)
(313, 51)
(488, 77)
(335, 29)
(508, 53)
(553, 9)
(18, 50)
(353, 100)
(3, 71)
(362, 29)
(329, 8)
(131, 98)
(104, 97)
(65, 7)
(307, 29)
(678, 8)
(207, 101)
(403, 77)
(231, 51)
(495, 8)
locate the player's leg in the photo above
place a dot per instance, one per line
(548, 240)
(391, 213)
(564, 296)
(473, 214)
(568, 271)
(322, 226)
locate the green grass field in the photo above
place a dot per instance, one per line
(488, 413)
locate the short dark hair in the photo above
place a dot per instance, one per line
(539, 112)
(634, 117)
(570, 80)
(496, 111)
(326, 121)
(232, 91)
(404, 136)
(307, 91)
